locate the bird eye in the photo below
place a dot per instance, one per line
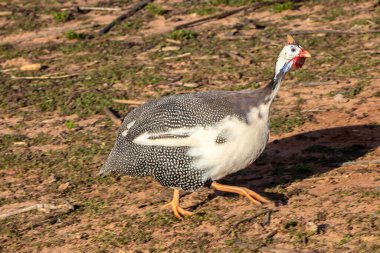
(293, 49)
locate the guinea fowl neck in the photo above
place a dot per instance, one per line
(274, 85)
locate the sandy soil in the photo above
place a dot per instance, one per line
(321, 168)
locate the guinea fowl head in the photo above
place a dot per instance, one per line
(291, 56)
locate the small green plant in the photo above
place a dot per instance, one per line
(287, 123)
(62, 16)
(280, 7)
(71, 35)
(204, 11)
(133, 25)
(69, 124)
(360, 22)
(183, 35)
(346, 238)
(155, 9)
(351, 92)
(232, 2)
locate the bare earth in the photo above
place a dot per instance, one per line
(321, 169)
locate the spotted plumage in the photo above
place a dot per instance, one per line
(189, 141)
(171, 165)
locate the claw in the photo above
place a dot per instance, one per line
(177, 210)
(242, 191)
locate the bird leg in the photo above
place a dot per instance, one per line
(178, 211)
(242, 191)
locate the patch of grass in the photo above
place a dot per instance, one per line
(287, 123)
(280, 7)
(204, 10)
(155, 9)
(88, 103)
(232, 2)
(360, 22)
(41, 139)
(69, 124)
(8, 51)
(332, 14)
(72, 35)
(351, 92)
(132, 25)
(292, 17)
(62, 16)
(346, 238)
(7, 140)
(183, 35)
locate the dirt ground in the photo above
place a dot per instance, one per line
(321, 168)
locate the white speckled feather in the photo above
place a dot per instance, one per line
(244, 142)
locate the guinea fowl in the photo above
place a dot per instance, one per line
(191, 140)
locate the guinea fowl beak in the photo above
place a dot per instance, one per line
(304, 53)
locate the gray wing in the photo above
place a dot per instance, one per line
(188, 111)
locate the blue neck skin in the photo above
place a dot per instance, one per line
(277, 78)
(287, 66)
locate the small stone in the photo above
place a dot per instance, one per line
(20, 143)
(51, 179)
(191, 85)
(339, 98)
(170, 48)
(63, 187)
(31, 67)
(311, 228)
(84, 236)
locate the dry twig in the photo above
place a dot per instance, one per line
(225, 14)
(90, 8)
(177, 56)
(314, 110)
(115, 119)
(328, 31)
(129, 13)
(41, 77)
(39, 207)
(129, 101)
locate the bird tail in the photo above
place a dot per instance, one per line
(105, 170)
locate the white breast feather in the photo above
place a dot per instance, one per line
(245, 142)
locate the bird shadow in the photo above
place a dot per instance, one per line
(304, 155)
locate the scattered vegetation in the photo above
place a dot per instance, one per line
(71, 35)
(54, 136)
(204, 10)
(183, 35)
(287, 123)
(280, 7)
(62, 16)
(155, 9)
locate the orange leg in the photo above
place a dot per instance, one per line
(242, 191)
(178, 211)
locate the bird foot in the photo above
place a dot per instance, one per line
(242, 191)
(177, 210)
